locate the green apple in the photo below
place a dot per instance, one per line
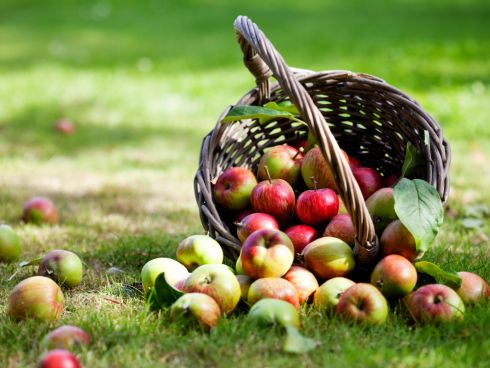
(62, 266)
(175, 272)
(196, 307)
(328, 294)
(198, 250)
(274, 311)
(10, 247)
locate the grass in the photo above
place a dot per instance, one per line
(144, 83)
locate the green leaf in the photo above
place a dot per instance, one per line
(296, 343)
(240, 112)
(419, 208)
(450, 279)
(162, 294)
(413, 160)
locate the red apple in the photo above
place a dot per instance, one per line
(274, 311)
(36, 297)
(328, 257)
(39, 210)
(303, 280)
(217, 281)
(434, 303)
(301, 235)
(394, 275)
(473, 288)
(368, 179)
(233, 188)
(254, 222)
(267, 253)
(328, 294)
(275, 288)
(10, 247)
(315, 171)
(65, 336)
(62, 266)
(396, 239)
(381, 207)
(64, 126)
(196, 307)
(341, 227)
(363, 303)
(281, 162)
(58, 358)
(274, 197)
(316, 207)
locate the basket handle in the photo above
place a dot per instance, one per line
(263, 61)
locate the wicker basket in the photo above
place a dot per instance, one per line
(368, 118)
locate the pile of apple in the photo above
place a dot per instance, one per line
(298, 249)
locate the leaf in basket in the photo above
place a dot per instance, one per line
(413, 160)
(419, 208)
(430, 271)
(240, 112)
(296, 343)
(163, 294)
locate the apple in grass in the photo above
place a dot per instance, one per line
(66, 336)
(381, 207)
(275, 288)
(175, 273)
(39, 210)
(196, 307)
(10, 247)
(394, 276)
(328, 294)
(301, 235)
(217, 281)
(473, 288)
(36, 297)
(274, 197)
(341, 227)
(303, 280)
(315, 166)
(363, 303)
(267, 253)
(328, 257)
(58, 358)
(318, 206)
(233, 188)
(270, 311)
(396, 239)
(197, 250)
(434, 303)
(281, 162)
(254, 222)
(369, 180)
(62, 266)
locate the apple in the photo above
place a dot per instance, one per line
(10, 247)
(65, 336)
(197, 250)
(328, 294)
(39, 210)
(58, 358)
(381, 207)
(275, 288)
(217, 281)
(316, 172)
(328, 257)
(254, 222)
(341, 227)
(363, 303)
(64, 126)
(175, 272)
(394, 275)
(281, 162)
(245, 283)
(233, 188)
(301, 235)
(36, 297)
(196, 307)
(316, 207)
(267, 253)
(62, 266)
(434, 303)
(303, 280)
(369, 180)
(274, 197)
(396, 239)
(274, 311)
(473, 288)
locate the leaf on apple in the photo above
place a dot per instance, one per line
(413, 162)
(419, 208)
(296, 343)
(162, 294)
(431, 272)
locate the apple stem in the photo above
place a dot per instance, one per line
(268, 174)
(315, 182)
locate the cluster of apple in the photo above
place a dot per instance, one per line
(40, 297)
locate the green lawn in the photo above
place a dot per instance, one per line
(144, 83)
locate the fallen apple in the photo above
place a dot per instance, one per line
(62, 266)
(394, 276)
(274, 311)
(473, 288)
(328, 294)
(175, 272)
(66, 336)
(39, 210)
(304, 282)
(233, 188)
(198, 250)
(10, 247)
(274, 288)
(58, 358)
(196, 307)
(254, 222)
(363, 303)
